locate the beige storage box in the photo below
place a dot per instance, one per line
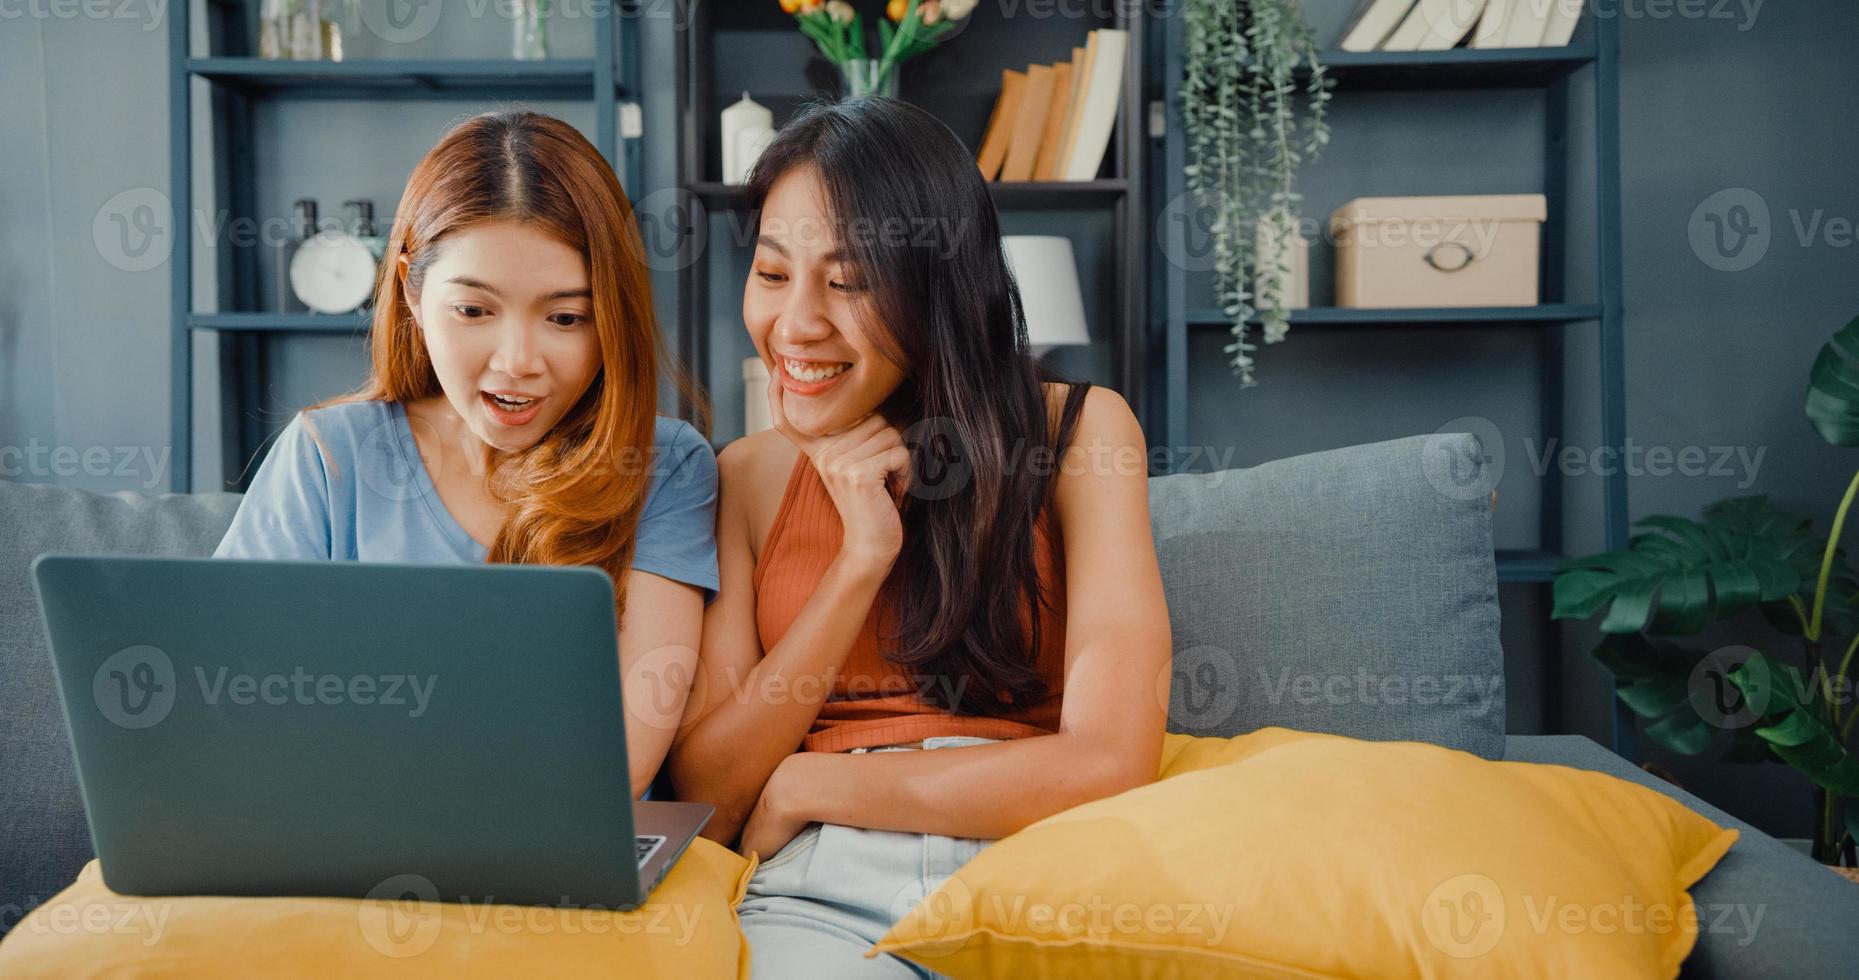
(1468, 250)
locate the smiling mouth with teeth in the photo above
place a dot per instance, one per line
(812, 371)
(514, 404)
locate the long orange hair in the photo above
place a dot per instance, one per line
(579, 491)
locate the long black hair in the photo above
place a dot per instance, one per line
(918, 226)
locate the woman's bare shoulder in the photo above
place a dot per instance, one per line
(1104, 412)
(757, 455)
(753, 472)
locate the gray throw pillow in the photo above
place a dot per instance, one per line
(1351, 592)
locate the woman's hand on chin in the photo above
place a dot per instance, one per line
(865, 467)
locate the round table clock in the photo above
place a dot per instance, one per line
(332, 272)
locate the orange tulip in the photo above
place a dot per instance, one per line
(895, 9)
(790, 6)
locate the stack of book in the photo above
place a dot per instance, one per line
(1437, 25)
(1053, 122)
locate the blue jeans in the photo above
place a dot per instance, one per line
(816, 905)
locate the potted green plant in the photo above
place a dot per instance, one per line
(1746, 556)
(1246, 138)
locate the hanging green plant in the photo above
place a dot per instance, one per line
(1246, 139)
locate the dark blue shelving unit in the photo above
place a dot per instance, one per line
(237, 81)
(1172, 321)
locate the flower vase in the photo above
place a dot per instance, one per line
(868, 76)
(530, 41)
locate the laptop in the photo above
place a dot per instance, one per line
(354, 730)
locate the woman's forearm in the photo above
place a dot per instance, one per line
(644, 757)
(726, 757)
(658, 655)
(1109, 739)
(986, 791)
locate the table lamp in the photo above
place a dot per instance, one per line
(1048, 278)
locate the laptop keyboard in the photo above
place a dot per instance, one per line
(646, 845)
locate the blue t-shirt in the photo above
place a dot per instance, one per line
(372, 499)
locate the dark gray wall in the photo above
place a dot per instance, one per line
(1715, 358)
(83, 342)
(1720, 358)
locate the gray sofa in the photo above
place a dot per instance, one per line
(1350, 591)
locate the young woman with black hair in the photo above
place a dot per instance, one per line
(937, 546)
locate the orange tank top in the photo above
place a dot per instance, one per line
(874, 701)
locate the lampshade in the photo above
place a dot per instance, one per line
(1048, 278)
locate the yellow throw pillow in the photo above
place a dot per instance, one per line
(1293, 854)
(687, 928)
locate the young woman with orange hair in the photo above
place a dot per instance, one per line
(510, 415)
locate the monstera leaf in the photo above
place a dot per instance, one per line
(1757, 517)
(1688, 574)
(1840, 616)
(1833, 388)
(1655, 683)
(1793, 725)
(1653, 675)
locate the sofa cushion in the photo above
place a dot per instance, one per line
(1282, 854)
(43, 836)
(1352, 592)
(686, 928)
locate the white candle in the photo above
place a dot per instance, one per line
(750, 142)
(746, 117)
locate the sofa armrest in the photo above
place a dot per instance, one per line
(1766, 910)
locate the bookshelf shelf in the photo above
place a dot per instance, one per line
(1458, 68)
(1056, 194)
(279, 322)
(384, 79)
(1445, 316)
(1021, 195)
(1528, 566)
